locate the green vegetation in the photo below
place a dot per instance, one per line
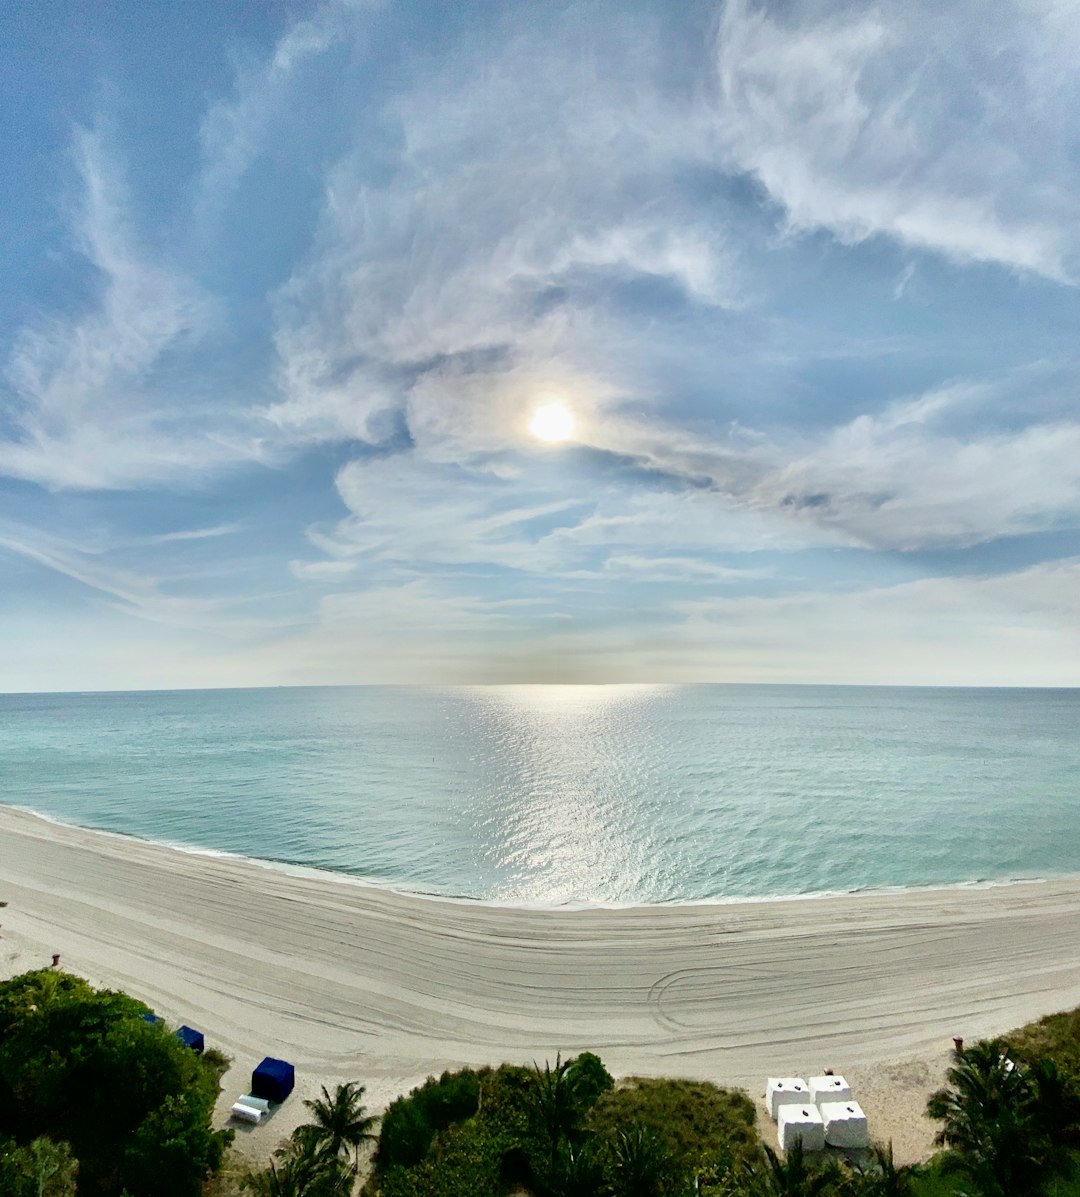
(95, 1099)
(323, 1156)
(40, 1169)
(704, 1131)
(1007, 1123)
(565, 1130)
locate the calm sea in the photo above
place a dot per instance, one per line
(568, 794)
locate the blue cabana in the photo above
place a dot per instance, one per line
(273, 1079)
(150, 1016)
(192, 1038)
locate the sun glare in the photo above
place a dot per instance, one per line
(552, 422)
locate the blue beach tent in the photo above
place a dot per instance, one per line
(273, 1079)
(151, 1017)
(192, 1038)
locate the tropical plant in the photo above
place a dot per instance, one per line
(556, 1105)
(83, 1067)
(40, 1169)
(792, 1176)
(991, 1122)
(411, 1123)
(881, 1176)
(576, 1171)
(340, 1123)
(302, 1171)
(640, 1165)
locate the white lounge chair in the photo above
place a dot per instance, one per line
(246, 1113)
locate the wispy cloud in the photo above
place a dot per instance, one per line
(803, 274)
(132, 592)
(93, 404)
(858, 122)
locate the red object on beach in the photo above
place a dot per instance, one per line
(958, 1044)
(55, 959)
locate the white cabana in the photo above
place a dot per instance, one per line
(829, 1088)
(780, 1090)
(845, 1124)
(801, 1124)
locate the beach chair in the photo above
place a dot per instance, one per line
(245, 1113)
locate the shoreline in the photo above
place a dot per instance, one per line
(358, 982)
(340, 876)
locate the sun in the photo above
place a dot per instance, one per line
(552, 422)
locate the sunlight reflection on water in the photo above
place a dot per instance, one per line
(554, 794)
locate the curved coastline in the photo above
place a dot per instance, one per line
(353, 981)
(342, 876)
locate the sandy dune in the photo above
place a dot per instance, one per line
(353, 982)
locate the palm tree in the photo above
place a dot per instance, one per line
(555, 1103)
(640, 1165)
(883, 1178)
(791, 1177)
(303, 1173)
(576, 1172)
(1056, 1102)
(989, 1116)
(340, 1122)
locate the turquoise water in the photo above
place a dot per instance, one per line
(560, 794)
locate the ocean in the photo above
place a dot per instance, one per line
(554, 795)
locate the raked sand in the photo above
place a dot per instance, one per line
(353, 982)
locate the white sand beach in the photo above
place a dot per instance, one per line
(352, 982)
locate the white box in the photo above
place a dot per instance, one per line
(256, 1103)
(803, 1123)
(779, 1090)
(829, 1088)
(247, 1113)
(845, 1124)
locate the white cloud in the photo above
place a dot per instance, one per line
(913, 121)
(1021, 628)
(1015, 629)
(90, 406)
(321, 571)
(131, 592)
(529, 183)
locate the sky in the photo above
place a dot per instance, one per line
(284, 285)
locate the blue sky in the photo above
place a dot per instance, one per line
(284, 284)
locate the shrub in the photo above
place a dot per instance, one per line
(591, 1079)
(83, 1066)
(701, 1126)
(411, 1123)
